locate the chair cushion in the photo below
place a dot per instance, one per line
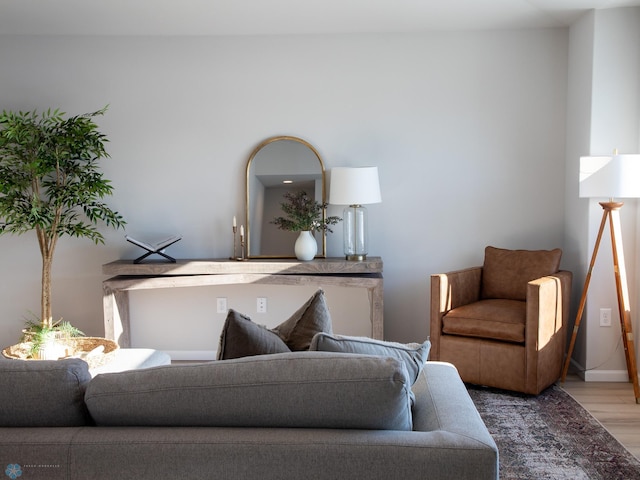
(494, 319)
(505, 273)
(412, 354)
(241, 337)
(43, 393)
(298, 389)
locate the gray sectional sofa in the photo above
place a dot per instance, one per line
(300, 415)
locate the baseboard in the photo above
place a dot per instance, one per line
(606, 376)
(192, 355)
(598, 375)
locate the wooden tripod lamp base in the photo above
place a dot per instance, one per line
(611, 212)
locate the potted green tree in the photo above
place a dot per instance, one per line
(304, 215)
(50, 183)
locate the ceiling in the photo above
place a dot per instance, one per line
(273, 17)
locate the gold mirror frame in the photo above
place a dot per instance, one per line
(250, 177)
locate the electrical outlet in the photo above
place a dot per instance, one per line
(221, 304)
(261, 305)
(605, 317)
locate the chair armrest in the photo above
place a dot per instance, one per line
(451, 290)
(548, 300)
(545, 329)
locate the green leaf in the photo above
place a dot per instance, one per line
(304, 213)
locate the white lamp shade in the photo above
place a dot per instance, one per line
(615, 176)
(354, 186)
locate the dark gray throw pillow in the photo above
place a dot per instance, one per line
(242, 338)
(414, 355)
(311, 318)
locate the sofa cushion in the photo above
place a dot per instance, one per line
(43, 393)
(505, 273)
(495, 319)
(412, 354)
(298, 389)
(241, 337)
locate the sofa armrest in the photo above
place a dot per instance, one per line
(444, 408)
(451, 290)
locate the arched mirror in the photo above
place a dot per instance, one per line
(277, 166)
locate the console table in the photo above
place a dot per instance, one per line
(197, 273)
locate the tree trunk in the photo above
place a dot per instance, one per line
(47, 246)
(45, 315)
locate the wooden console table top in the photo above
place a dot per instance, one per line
(319, 266)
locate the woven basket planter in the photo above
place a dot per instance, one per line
(96, 351)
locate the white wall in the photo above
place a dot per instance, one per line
(467, 129)
(576, 253)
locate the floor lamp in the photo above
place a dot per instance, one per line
(614, 176)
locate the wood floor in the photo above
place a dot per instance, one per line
(613, 405)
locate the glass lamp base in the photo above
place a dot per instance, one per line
(355, 232)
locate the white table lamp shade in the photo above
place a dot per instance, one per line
(354, 186)
(615, 176)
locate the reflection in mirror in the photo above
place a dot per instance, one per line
(279, 165)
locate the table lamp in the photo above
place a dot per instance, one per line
(355, 187)
(616, 176)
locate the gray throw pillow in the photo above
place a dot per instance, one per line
(242, 338)
(311, 318)
(414, 355)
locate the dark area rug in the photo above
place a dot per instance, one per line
(551, 436)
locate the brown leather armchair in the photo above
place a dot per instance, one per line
(503, 324)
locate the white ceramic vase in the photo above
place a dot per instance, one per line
(306, 246)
